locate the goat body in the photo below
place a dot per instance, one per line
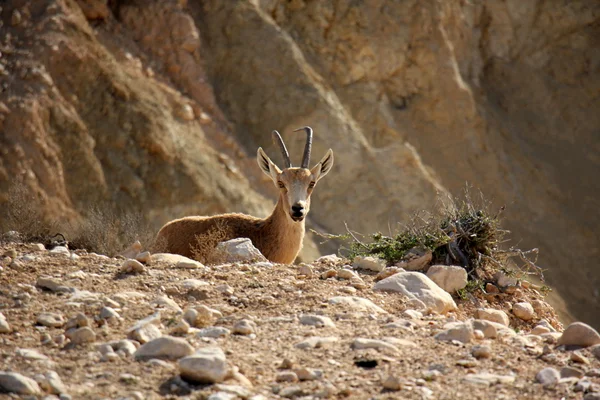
(277, 237)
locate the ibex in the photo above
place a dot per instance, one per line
(279, 236)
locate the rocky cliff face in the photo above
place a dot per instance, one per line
(160, 105)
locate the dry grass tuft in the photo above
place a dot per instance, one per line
(104, 229)
(23, 213)
(205, 248)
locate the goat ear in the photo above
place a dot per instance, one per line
(266, 165)
(324, 166)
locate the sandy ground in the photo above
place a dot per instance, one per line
(273, 297)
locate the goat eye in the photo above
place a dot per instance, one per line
(311, 185)
(281, 185)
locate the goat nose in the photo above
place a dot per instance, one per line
(297, 208)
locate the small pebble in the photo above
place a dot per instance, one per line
(481, 351)
(286, 376)
(244, 327)
(524, 311)
(392, 383)
(132, 266)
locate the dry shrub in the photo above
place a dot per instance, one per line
(205, 248)
(104, 229)
(108, 230)
(23, 213)
(463, 232)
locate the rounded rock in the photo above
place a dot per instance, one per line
(206, 365)
(244, 327)
(524, 311)
(164, 347)
(579, 334)
(491, 314)
(51, 320)
(81, 335)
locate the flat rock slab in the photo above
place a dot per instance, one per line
(316, 342)
(357, 304)
(177, 260)
(418, 286)
(317, 320)
(489, 379)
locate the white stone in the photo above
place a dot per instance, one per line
(181, 328)
(362, 343)
(166, 302)
(412, 314)
(201, 316)
(491, 329)
(317, 320)
(357, 304)
(206, 365)
(134, 249)
(345, 273)
(481, 351)
(308, 374)
(461, 331)
(418, 286)
(30, 354)
(143, 257)
(305, 270)
(125, 346)
(213, 332)
(164, 347)
(225, 289)
(108, 313)
(176, 260)
(81, 335)
(392, 383)
(286, 376)
(4, 326)
(132, 266)
(315, 342)
(579, 334)
(193, 284)
(449, 277)
(330, 258)
(369, 263)
(548, 376)
(244, 327)
(13, 382)
(239, 250)
(146, 329)
(488, 379)
(53, 384)
(491, 314)
(60, 250)
(523, 311)
(54, 285)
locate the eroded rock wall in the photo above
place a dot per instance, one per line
(160, 106)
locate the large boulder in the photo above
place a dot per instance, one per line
(416, 285)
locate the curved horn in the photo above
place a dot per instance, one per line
(307, 147)
(278, 141)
